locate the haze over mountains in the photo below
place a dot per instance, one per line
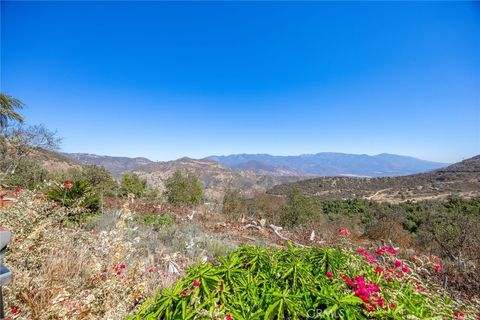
(320, 164)
(329, 164)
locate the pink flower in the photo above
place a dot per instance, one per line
(458, 315)
(397, 263)
(14, 310)
(329, 274)
(343, 232)
(228, 317)
(20, 189)
(348, 281)
(196, 283)
(390, 249)
(122, 266)
(405, 269)
(367, 255)
(378, 270)
(184, 293)
(392, 305)
(438, 267)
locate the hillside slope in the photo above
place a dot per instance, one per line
(329, 164)
(461, 178)
(215, 177)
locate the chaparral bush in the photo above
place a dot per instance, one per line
(305, 283)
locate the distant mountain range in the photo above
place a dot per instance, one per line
(383, 177)
(320, 164)
(461, 179)
(329, 164)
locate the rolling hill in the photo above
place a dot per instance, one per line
(116, 165)
(461, 179)
(215, 177)
(328, 164)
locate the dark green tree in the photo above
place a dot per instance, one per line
(298, 209)
(184, 188)
(8, 106)
(132, 183)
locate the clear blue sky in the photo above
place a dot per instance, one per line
(166, 80)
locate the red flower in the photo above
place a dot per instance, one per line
(68, 185)
(405, 269)
(30, 248)
(378, 270)
(458, 315)
(228, 317)
(329, 274)
(150, 269)
(20, 189)
(343, 232)
(196, 283)
(397, 263)
(184, 293)
(349, 281)
(122, 266)
(392, 305)
(438, 267)
(14, 310)
(367, 256)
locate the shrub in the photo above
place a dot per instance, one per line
(184, 188)
(155, 221)
(298, 210)
(75, 194)
(28, 173)
(132, 183)
(234, 205)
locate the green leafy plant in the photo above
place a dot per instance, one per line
(155, 221)
(299, 283)
(75, 194)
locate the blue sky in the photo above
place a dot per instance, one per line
(166, 80)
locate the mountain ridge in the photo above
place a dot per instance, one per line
(331, 164)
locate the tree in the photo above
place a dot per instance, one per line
(298, 209)
(8, 105)
(184, 188)
(18, 142)
(234, 205)
(132, 183)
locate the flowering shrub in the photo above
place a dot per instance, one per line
(321, 283)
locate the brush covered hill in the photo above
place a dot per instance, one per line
(116, 165)
(214, 177)
(52, 161)
(462, 179)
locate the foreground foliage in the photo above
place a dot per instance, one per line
(311, 283)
